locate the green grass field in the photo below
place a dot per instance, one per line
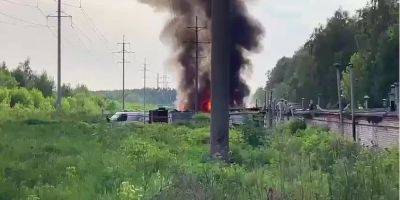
(79, 160)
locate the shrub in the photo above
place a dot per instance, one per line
(295, 125)
(37, 98)
(5, 95)
(147, 156)
(253, 133)
(20, 96)
(6, 79)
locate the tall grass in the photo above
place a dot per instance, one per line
(80, 160)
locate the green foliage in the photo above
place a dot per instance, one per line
(253, 133)
(129, 192)
(81, 89)
(6, 79)
(5, 96)
(25, 77)
(369, 40)
(96, 161)
(23, 74)
(22, 104)
(202, 119)
(66, 90)
(296, 125)
(44, 83)
(20, 96)
(259, 97)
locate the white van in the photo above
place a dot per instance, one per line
(128, 117)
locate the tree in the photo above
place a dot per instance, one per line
(66, 90)
(259, 97)
(6, 79)
(81, 89)
(24, 74)
(369, 40)
(3, 66)
(44, 84)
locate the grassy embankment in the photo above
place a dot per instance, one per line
(79, 160)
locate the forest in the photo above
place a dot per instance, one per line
(369, 40)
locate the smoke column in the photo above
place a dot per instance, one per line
(246, 36)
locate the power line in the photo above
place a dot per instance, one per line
(76, 28)
(9, 23)
(32, 24)
(96, 30)
(19, 4)
(22, 20)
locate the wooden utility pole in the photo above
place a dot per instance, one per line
(197, 29)
(220, 61)
(123, 52)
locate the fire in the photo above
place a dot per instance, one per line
(206, 106)
(182, 107)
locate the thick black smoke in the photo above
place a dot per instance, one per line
(246, 35)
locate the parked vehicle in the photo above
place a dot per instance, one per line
(128, 117)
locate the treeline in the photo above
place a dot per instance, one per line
(165, 97)
(369, 40)
(26, 94)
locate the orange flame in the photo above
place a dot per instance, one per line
(206, 106)
(182, 107)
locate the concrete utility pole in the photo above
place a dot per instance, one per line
(123, 52)
(270, 110)
(158, 81)
(59, 16)
(220, 62)
(59, 95)
(164, 81)
(353, 121)
(145, 70)
(197, 29)
(319, 100)
(338, 77)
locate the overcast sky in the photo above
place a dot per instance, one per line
(99, 24)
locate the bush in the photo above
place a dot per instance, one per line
(148, 157)
(253, 134)
(37, 98)
(6, 79)
(296, 125)
(5, 96)
(20, 96)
